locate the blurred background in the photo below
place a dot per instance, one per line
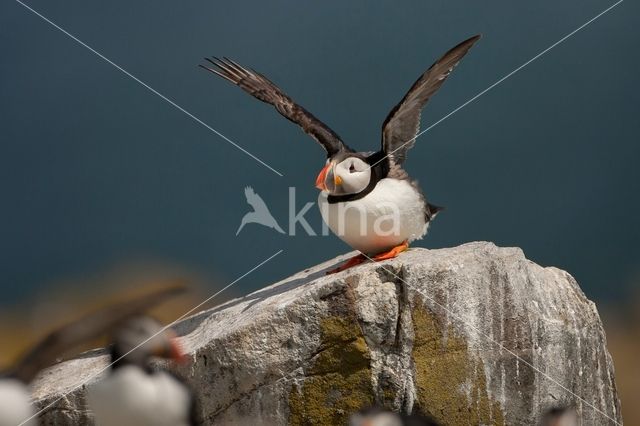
(107, 189)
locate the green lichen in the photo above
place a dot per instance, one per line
(339, 381)
(451, 383)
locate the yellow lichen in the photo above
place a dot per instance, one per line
(339, 381)
(451, 383)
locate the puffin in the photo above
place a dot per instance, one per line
(378, 416)
(366, 198)
(16, 407)
(133, 393)
(561, 416)
(15, 403)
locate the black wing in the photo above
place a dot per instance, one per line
(93, 325)
(403, 122)
(263, 89)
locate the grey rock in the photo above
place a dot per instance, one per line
(474, 334)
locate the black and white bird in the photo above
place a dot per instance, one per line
(366, 198)
(561, 416)
(15, 403)
(15, 397)
(378, 416)
(135, 394)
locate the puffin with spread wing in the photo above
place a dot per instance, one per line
(16, 407)
(366, 198)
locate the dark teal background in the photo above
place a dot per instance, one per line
(97, 171)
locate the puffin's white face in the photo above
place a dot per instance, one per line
(349, 176)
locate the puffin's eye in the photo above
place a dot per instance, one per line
(352, 168)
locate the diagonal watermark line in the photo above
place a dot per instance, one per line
(503, 78)
(500, 345)
(171, 324)
(145, 85)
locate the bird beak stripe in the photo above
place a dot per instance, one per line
(177, 353)
(321, 177)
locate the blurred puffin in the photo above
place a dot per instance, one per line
(366, 198)
(16, 407)
(133, 393)
(561, 416)
(377, 416)
(15, 403)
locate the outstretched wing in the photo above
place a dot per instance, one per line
(255, 200)
(403, 122)
(89, 327)
(261, 88)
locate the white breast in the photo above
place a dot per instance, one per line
(390, 214)
(15, 403)
(131, 397)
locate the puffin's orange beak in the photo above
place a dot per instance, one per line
(321, 178)
(175, 351)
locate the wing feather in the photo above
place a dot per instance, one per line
(254, 200)
(89, 327)
(260, 87)
(403, 122)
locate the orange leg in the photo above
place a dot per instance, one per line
(361, 258)
(395, 251)
(355, 260)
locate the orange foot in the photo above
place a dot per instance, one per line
(355, 260)
(395, 251)
(361, 258)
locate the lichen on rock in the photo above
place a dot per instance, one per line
(474, 334)
(338, 379)
(450, 381)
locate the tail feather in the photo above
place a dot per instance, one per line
(433, 210)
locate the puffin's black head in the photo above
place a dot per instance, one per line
(348, 173)
(560, 416)
(141, 338)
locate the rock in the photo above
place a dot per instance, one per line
(474, 334)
